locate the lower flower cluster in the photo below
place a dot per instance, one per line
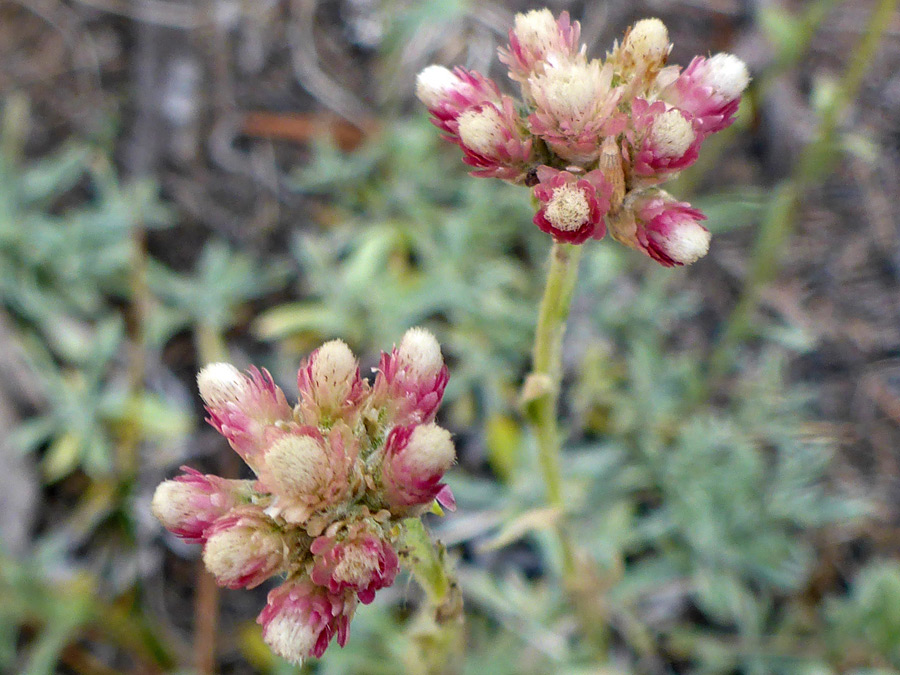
(335, 475)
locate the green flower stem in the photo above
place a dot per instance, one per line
(541, 394)
(436, 631)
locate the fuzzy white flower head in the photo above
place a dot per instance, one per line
(568, 208)
(537, 30)
(298, 465)
(172, 502)
(672, 134)
(571, 89)
(430, 449)
(334, 367)
(420, 354)
(434, 83)
(221, 383)
(356, 564)
(728, 75)
(687, 243)
(648, 41)
(232, 553)
(290, 638)
(481, 130)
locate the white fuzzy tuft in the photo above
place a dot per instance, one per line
(299, 465)
(568, 208)
(334, 366)
(357, 566)
(481, 130)
(431, 449)
(537, 31)
(648, 41)
(687, 243)
(728, 75)
(221, 383)
(420, 354)
(672, 134)
(289, 637)
(572, 89)
(172, 503)
(434, 83)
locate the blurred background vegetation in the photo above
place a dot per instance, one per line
(183, 182)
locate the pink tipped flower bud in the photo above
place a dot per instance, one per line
(494, 141)
(300, 619)
(572, 207)
(243, 408)
(189, 504)
(647, 43)
(709, 90)
(663, 142)
(308, 472)
(244, 548)
(411, 379)
(575, 108)
(329, 384)
(447, 94)
(415, 460)
(669, 231)
(359, 559)
(537, 35)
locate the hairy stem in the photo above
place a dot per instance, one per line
(541, 393)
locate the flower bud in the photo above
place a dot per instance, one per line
(359, 559)
(494, 141)
(572, 208)
(537, 36)
(243, 408)
(329, 384)
(709, 90)
(575, 108)
(663, 142)
(648, 43)
(300, 619)
(411, 379)
(668, 230)
(415, 460)
(243, 548)
(308, 472)
(447, 94)
(189, 504)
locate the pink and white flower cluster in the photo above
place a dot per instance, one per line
(334, 476)
(594, 138)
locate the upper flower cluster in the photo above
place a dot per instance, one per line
(334, 475)
(594, 138)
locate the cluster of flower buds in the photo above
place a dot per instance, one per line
(335, 475)
(594, 138)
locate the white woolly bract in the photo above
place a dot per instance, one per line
(289, 637)
(727, 74)
(220, 383)
(334, 367)
(430, 449)
(433, 83)
(420, 354)
(481, 130)
(230, 553)
(298, 465)
(537, 30)
(648, 41)
(172, 503)
(672, 134)
(687, 242)
(572, 89)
